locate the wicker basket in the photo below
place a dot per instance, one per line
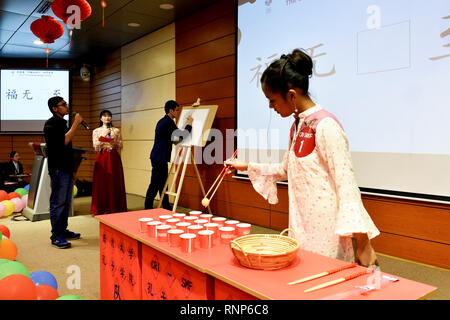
(265, 251)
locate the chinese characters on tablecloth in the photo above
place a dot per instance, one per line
(166, 279)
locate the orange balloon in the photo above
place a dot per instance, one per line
(45, 292)
(3, 195)
(17, 287)
(13, 195)
(5, 231)
(8, 250)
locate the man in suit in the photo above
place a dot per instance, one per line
(166, 133)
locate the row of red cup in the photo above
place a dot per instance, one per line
(183, 231)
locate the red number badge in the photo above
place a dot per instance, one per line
(305, 142)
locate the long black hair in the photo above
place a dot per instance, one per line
(102, 113)
(289, 72)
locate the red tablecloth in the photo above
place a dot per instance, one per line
(220, 263)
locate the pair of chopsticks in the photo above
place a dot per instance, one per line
(205, 201)
(333, 282)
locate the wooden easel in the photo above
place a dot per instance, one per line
(183, 154)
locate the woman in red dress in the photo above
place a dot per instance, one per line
(108, 186)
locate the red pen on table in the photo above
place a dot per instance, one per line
(343, 279)
(323, 274)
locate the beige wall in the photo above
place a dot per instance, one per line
(148, 81)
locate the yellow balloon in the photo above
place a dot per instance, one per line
(75, 191)
(9, 207)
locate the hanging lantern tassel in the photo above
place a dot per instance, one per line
(103, 3)
(70, 35)
(47, 51)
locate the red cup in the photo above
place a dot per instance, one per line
(172, 222)
(206, 216)
(200, 222)
(187, 242)
(183, 225)
(151, 228)
(231, 223)
(174, 237)
(161, 232)
(179, 215)
(190, 219)
(206, 239)
(195, 228)
(143, 224)
(227, 234)
(243, 229)
(213, 227)
(164, 217)
(219, 220)
(195, 214)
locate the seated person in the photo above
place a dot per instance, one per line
(14, 168)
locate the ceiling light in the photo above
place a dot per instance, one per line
(134, 24)
(38, 42)
(166, 6)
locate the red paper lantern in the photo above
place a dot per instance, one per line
(60, 8)
(47, 29)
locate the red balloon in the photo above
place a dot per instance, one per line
(47, 29)
(45, 292)
(3, 195)
(5, 230)
(12, 195)
(17, 287)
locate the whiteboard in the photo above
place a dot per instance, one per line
(203, 117)
(381, 67)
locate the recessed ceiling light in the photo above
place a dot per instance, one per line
(166, 6)
(134, 24)
(38, 42)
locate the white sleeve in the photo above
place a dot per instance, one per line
(332, 145)
(264, 177)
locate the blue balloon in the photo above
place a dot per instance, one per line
(27, 187)
(43, 277)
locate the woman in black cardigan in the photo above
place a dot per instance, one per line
(14, 168)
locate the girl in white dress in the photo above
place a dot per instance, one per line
(325, 207)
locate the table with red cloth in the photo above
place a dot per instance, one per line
(135, 266)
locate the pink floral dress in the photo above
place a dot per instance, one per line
(325, 206)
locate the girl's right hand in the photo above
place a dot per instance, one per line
(235, 164)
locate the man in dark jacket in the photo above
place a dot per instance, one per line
(166, 133)
(58, 138)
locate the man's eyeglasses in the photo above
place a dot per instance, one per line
(62, 104)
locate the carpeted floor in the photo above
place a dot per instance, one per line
(77, 268)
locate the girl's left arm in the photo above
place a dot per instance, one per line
(333, 147)
(352, 219)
